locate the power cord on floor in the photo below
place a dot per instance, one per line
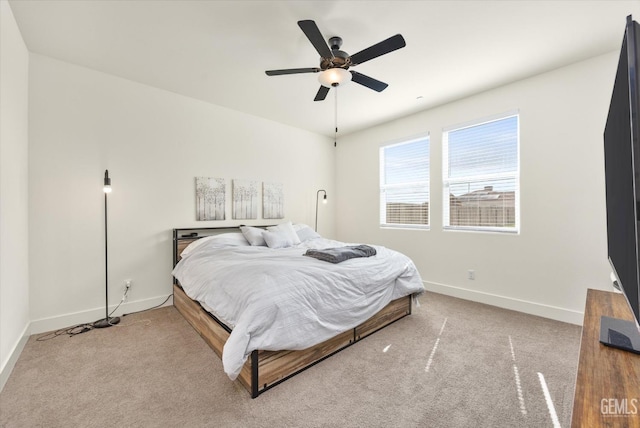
(153, 307)
(70, 331)
(85, 327)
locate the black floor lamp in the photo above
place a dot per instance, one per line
(324, 201)
(106, 321)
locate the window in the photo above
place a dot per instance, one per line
(404, 184)
(481, 175)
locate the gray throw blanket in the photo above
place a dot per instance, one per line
(340, 254)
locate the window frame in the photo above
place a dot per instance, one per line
(383, 186)
(447, 182)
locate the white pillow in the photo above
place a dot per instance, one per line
(287, 228)
(234, 239)
(253, 235)
(305, 233)
(277, 239)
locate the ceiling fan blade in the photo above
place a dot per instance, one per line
(367, 81)
(310, 29)
(389, 45)
(292, 71)
(322, 93)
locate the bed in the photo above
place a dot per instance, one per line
(269, 312)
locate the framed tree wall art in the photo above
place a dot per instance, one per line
(272, 200)
(245, 199)
(210, 198)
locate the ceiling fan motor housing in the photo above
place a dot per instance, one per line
(340, 58)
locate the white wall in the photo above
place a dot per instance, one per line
(14, 232)
(154, 143)
(561, 250)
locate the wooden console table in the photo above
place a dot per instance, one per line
(607, 390)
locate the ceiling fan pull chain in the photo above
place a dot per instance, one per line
(335, 135)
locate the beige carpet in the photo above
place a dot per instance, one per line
(452, 363)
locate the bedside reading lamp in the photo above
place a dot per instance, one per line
(324, 201)
(106, 321)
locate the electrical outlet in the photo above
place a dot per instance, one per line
(471, 274)
(125, 292)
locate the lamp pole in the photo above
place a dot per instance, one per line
(106, 322)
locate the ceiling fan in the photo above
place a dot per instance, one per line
(334, 63)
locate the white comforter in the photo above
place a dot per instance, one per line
(277, 299)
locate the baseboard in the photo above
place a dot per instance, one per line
(8, 366)
(67, 320)
(533, 308)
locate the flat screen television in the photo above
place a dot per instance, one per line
(622, 177)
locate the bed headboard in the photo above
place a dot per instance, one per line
(183, 237)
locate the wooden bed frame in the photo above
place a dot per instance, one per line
(266, 369)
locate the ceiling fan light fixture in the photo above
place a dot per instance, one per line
(333, 77)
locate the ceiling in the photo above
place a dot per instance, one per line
(217, 51)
